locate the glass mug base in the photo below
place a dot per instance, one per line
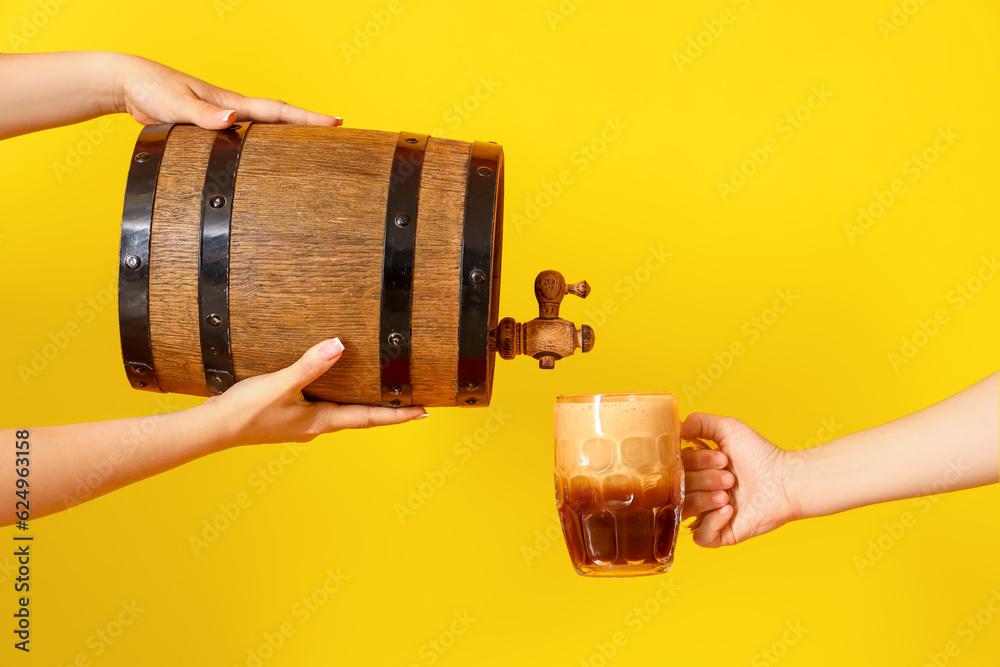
(619, 481)
(615, 571)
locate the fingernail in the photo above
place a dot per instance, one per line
(727, 478)
(331, 348)
(726, 511)
(719, 459)
(337, 121)
(720, 496)
(423, 416)
(225, 115)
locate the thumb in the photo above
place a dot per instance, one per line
(707, 426)
(206, 115)
(317, 360)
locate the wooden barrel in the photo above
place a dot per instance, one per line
(244, 247)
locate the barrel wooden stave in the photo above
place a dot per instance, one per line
(173, 262)
(437, 269)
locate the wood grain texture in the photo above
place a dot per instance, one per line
(306, 249)
(306, 253)
(173, 262)
(437, 266)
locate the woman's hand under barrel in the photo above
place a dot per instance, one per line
(271, 408)
(78, 462)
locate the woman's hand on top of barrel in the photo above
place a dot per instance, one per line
(271, 408)
(155, 93)
(737, 491)
(43, 90)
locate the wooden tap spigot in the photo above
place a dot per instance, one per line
(548, 337)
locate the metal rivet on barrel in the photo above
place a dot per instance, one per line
(216, 377)
(218, 201)
(470, 401)
(411, 140)
(133, 262)
(139, 370)
(214, 319)
(395, 339)
(484, 171)
(142, 385)
(141, 157)
(395, 389)
(395, 403)
(477, 276)
(402, 220)
(471, 386)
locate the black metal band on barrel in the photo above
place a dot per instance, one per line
(133, 261)
(485, 165)
(213, 261)
(397, 269)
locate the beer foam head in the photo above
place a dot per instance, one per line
(616, 416)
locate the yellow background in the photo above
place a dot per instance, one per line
(469, 548)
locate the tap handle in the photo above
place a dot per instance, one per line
(580, 289)
(551, 287)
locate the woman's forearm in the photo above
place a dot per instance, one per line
(71, 464)
(951, 445)
(43, 90)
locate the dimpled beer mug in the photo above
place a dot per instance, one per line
(619, 481)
